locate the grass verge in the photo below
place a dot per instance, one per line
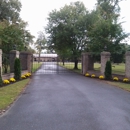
(123, 86)
(10, 93)
(36, 66)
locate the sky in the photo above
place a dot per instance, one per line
(35, 12)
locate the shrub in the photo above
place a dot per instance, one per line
(87, 74)
(1, 82)
(101, 77)
(93, 76)
(12, 80)
(125, 80)
(6, 81)
(115, 79)
(108, 70)
(28, 74)
(17, 69)
(23, 77)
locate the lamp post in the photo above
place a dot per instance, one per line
(105, 48)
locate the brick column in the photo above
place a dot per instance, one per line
(13, 54)
(23, 59)
(127, 65)
(105, 56)
(29, 62)
(1, 61)
(26, 59)
(87, 62)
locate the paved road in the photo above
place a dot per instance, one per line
(68, 102)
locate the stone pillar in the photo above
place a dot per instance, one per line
(13, 54)
(127, 65)
(87, 62)
(29, 62)
(1, 61)
(23, 59)
(105, 56)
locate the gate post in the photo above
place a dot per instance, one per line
(87, 62)
(1, 61)
(13, 54)
(127, 64)
(29, 62)
(23, 59)
(105, 56)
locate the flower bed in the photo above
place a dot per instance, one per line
(101, 77)
(12, 80)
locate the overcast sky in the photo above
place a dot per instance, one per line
(35, 12)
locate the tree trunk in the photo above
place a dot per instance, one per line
(39, 58)
(76, 64)
(63, 61)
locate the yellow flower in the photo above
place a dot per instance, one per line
(28, 74)
(115, 79)
(23, 77)
(125, 80)
(87, 74)
(12, 80)
(6, 81)
(101, 77)
(93, 76)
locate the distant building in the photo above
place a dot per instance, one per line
(45, 57)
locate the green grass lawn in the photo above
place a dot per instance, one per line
(120, 85)
(70, 65)
(36, 66)
(9, 93)
(116, 68)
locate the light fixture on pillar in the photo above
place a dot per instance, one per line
(14, 47)
(105, 48)
(25, 48)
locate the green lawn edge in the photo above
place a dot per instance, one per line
(10, 93)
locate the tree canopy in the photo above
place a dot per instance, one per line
(67, 29)
(73, 29)
(12, 27)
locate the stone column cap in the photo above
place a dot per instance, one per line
(14, 51)
(25, 52)
(87, 53)
(127, 53)
(0, 51)
(105, 53)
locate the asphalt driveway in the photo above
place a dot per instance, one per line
(68, 102)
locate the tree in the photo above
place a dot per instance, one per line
(106, 30)
(17, 69)
(108, 70)
(40, 43)
(9, 10)
(67, 31)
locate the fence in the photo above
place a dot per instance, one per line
(88, 64)
(7, 63)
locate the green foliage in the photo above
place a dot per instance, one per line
(108, 70)
(67, 31)
(9, 10)
(1, 81)
(105, 30)
(17, 69)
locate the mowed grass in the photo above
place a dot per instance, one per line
(9, 93)
(116, 68)
(120, 85)
(70, 65)
(36, 66)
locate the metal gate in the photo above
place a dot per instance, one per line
(51, 64)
